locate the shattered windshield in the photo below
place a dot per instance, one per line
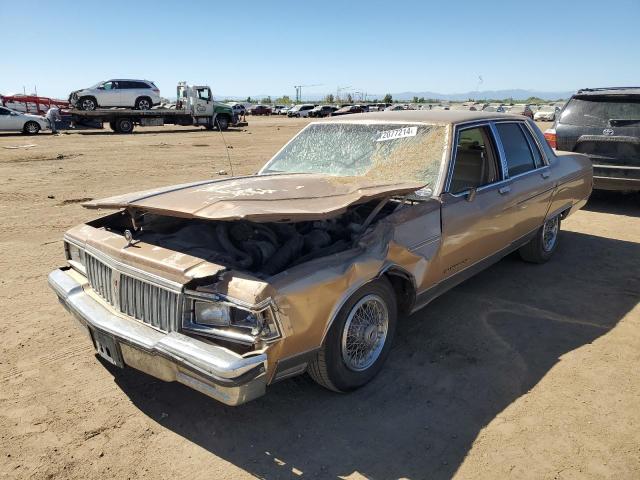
(381, 151)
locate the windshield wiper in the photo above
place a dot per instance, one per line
(620, 122)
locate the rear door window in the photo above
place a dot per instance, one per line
(520, 159)
(537, 156)
(599, 110)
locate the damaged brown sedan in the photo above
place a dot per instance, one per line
(229, 285)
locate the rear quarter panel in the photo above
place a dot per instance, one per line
(573, 175)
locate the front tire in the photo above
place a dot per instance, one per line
(359, 340)
(31, 128)
(222, 122)
(87, 103)
(542, 247)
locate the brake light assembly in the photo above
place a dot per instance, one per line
(550, 136)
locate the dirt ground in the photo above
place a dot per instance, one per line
(521, 372)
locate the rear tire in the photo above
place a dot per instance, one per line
(124, 125)
(359, 340)
(542, 247)
(31, 128)
(143, 103)
(87, 103)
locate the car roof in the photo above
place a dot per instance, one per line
(128, 80)
(433, 116)
(609, 91)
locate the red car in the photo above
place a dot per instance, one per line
(521, 110)
(260, 110)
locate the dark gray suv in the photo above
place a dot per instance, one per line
(603, 123)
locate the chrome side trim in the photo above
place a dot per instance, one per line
(423, 243)
(433, 292)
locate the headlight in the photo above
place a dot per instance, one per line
(225, 320)
(215, 314)
(75, 256)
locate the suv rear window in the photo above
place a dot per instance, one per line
(596, 111)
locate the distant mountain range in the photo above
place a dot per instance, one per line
(516, 94)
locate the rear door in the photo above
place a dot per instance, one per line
(528, 191)
(128, 92)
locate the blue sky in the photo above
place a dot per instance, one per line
(256, 47)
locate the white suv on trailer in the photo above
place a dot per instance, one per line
(138, 94)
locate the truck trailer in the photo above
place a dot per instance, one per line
(194, 106)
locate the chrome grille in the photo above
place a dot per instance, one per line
(153, 305)
(100, 278)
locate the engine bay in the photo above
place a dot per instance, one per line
(264, 249)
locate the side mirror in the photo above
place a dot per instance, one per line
(471, 194)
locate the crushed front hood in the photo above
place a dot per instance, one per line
(260, 198)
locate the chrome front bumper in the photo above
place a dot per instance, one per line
(213, 370)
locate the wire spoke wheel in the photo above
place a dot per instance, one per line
(365, 333)
(550, 233)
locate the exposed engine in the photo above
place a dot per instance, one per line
(264, 249)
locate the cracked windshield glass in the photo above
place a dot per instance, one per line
(388, 152)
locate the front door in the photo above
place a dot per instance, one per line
(474, 222)
(203, 103)
(110, 95)
(7, 120)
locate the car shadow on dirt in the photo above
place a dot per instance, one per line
(616, 203)
(455, 365)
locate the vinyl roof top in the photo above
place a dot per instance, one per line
(429, 116)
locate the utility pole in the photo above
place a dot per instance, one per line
(340, 89)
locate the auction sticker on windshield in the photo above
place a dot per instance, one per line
(397, 133)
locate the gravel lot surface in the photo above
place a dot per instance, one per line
(524, 371)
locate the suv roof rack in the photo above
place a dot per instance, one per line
(600, 89)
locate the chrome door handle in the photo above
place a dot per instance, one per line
(505, 189)
(546, 174)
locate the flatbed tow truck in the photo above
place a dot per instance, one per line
(194, 106)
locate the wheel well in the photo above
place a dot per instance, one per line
(404, 288)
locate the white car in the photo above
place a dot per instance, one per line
(22, 122)
(300, 110)
(547, 114)
(138, 94)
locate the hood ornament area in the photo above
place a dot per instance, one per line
(607, 131)
(128, 236)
